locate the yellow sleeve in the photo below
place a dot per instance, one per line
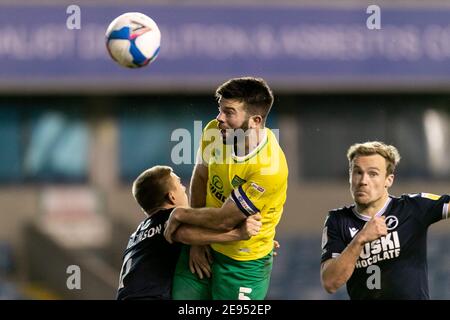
(253, 195)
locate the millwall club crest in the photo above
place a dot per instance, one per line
(391, 222)
(237, 181)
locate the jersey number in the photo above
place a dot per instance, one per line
(242, 293)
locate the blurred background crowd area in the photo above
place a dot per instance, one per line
(76, 129)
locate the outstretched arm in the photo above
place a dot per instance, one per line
(195, 235)
(221, 219)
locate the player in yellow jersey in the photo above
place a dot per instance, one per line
(240, 171)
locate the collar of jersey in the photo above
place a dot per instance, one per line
(254, 151)
(378, 214)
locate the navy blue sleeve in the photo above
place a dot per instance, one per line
(332, 238)
(430, 207)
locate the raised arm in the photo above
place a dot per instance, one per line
(335, 272)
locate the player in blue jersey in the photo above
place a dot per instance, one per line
(377, 246)
(149, 260)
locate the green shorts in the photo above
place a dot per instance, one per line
(187, 285)
(231, 279)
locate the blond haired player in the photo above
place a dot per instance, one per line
(378, 245)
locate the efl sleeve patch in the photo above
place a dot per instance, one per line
(430, 196)
(254, 191)
(430, 208)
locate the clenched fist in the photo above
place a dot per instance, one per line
(250, 227)
(373, 229)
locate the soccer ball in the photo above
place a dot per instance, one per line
(133, 40)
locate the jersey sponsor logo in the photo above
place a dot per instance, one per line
(384, 248)
(353, 231)
(216, 188)
(391, 222)
(217, 182)
(237, 181)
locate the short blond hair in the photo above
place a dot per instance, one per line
(369, 148)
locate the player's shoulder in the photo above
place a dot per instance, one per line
(274, 151)
(414, 201)
(272, 139)
(341, 213)
(338, 216)
(342, 210)
(417, 197)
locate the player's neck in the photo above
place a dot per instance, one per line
(252, 140)
(162, 207)
(371, 209)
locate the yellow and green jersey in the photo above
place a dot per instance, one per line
(256, 183)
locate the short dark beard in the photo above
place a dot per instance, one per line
(232, 139)
(237, 144)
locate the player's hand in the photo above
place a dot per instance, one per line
(373, 229)
(276, 245)
(172, 224)
(250, 227)
(200, 260)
